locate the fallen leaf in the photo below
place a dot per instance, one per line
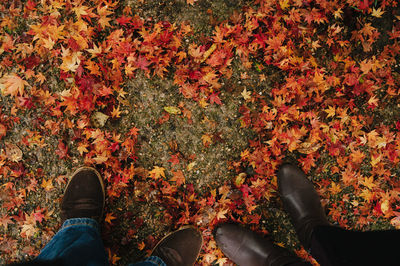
(172, 110)
(12, 84)
(13, 152)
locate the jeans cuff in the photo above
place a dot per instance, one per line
(156, 260)
(81, 222)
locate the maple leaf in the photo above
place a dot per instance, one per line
(103, 13)
(377, 12)
(214, 98)
(71, 60)
(12, 84)
(357, 156)
(109, 217)
(116, 113)
(28, 230)
(5, 221)
(101, 158)
(38, 215)
(47, 184)
(133, 131)
(62, 150)
(246, 94)
(142, 63)
(221, 214)
(82, 147)
(157, 172)
(95, 51)
(141, 245)
(330, 111)
(178, 177)
(206, 139)
(174, 159)
(369, 182)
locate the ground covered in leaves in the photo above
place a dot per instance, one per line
(187, 108)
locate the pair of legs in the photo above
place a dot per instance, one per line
(328, 244)
(78, 242)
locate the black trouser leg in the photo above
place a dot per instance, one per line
(332, 246)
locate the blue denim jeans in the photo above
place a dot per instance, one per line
(78, 242)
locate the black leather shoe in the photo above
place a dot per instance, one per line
(247, 248)
(301, 201)
(84, 195)
(179, 248)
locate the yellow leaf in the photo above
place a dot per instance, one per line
(396, 222)
(172, 110)
(47, 185)
(12, 85)
(206, 138)
(240, 179)
(246, 94)
(221, 214)
(203, 103)
(377, 12)
(190, 166)
(116, 113)
(99, 159)
(157, 172)
(209, 51)
(385, 206)
(284, 4)
(82, 148)
(70, 59)
(330, 111)
(28, 230)
(369, 182)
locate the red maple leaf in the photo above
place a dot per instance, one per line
(142, 63)
(62, 150)
(214, 98)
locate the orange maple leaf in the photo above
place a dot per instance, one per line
(178, 177)
(157, 172)
(47, 184)
(12, 85)
(109, 217)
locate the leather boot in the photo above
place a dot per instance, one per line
(301, 201)
(247, 248)
(84, 195)
(179, 248)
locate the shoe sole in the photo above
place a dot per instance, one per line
(180, 228)
(99, 178)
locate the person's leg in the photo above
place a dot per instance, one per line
(335, 246)
(247, 248)
(301, 201)
(78, 242)
(328, 244)
(181, 247)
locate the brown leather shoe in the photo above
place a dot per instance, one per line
(84, 195)
(180, 248)
(301, 201)
(247, 248)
